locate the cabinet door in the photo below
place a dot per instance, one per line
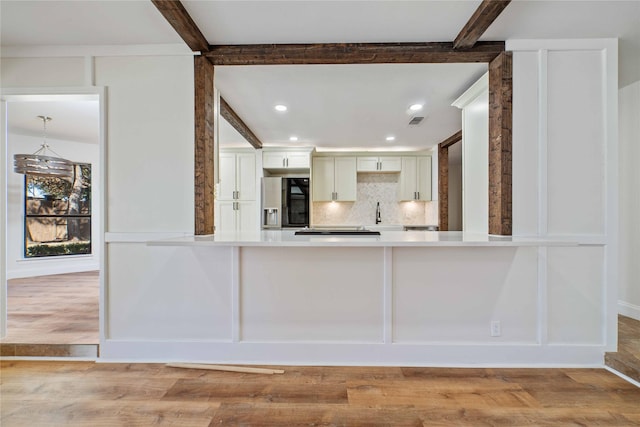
(273, 159)
(408, 178)
(367, 164)
(246, 176)
(390, 164)
(225, 219)
(346, 179)
(247, 216)
(322, 179)
(297, 160)
(423, 180)
(227, 165)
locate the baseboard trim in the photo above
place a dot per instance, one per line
(48, 270)
(629, 310)
(320, 354)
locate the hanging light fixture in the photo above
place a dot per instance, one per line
(40, 163)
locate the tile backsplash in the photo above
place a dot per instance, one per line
(374, 188)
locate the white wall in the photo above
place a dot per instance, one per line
(17, 264)
(150, 145)
(565, 183)
(172, 303)
(629, 289)
(475, 156)
(455, 188)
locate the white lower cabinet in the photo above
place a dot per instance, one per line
(236, 216)
(415, 179)
(334, 179)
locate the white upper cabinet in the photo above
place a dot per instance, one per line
(286, 159)
(415, 179)
(237, 171)
(334, 179)
(379, 164)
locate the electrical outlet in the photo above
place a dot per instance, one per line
(496, 329)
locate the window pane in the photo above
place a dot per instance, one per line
(58, 214)
(57, 236)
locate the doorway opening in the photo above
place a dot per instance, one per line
(53, 227)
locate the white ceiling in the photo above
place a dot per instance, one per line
(75, 120)
(351, 110)
(357, 106)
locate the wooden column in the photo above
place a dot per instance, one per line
(443, 179)
(204, 145)
(443, 187)
(500, 124)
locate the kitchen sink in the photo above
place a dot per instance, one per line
(336, 232)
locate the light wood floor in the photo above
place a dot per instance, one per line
(58, 309)
(89, 394)
(627, 358)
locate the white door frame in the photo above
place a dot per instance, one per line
(41, 94)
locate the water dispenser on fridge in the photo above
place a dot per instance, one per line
(271, 202)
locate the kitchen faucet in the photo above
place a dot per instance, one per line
(378, 218)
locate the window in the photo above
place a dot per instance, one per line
(58, 214)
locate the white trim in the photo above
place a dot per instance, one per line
(53, 51)
(235, 294)
(42, 94)
(524, 45)
(543, 302)
(543, 142)
(3, 218)
(89, 71)
(629, 310)
(351, 354)
(623, 376)
(476, 89)
(142, 237)
(387, 299)
(611, 189)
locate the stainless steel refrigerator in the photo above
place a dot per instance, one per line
(285, 202)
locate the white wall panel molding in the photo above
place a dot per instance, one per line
(96, 50)
(629, 243)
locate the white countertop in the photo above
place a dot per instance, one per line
(283, 238)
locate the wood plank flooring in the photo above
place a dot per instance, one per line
(57, 309)
(89, 394)
(627, 359)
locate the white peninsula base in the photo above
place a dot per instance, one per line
(405, 298)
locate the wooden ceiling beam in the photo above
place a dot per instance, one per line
(352, 53)
(481, 19)
(175, 13)
(451, 140)
(234, 120)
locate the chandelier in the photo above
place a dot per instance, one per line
(40, 162)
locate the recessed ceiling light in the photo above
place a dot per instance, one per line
(416, 107)
(281, 108)
(391, 138)
(293, 138)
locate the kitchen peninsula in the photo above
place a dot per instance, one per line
(404, 298)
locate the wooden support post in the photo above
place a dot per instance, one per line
(443, 187)
(500, 124)
(204, 145)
